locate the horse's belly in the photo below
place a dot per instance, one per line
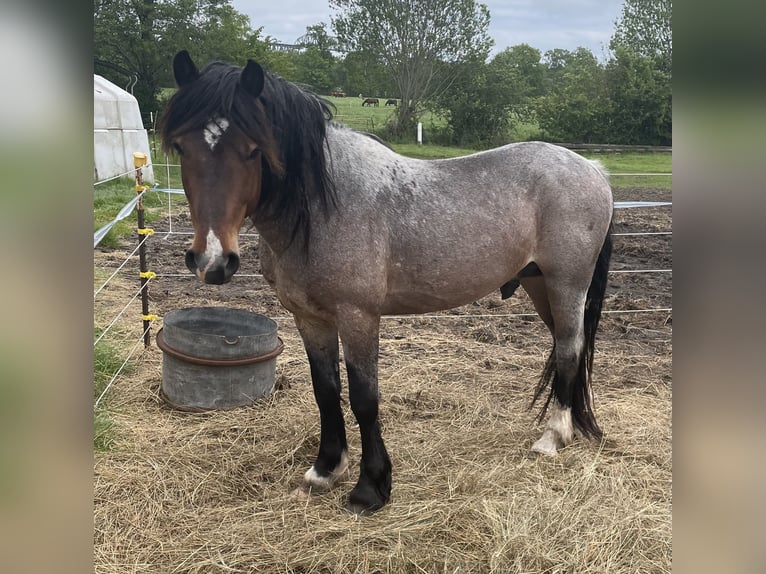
(438, 295)
(422, 279)
(417, 304)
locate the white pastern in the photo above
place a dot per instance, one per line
(313, 480)
(213, 249)
(214, 130)
(558, 433)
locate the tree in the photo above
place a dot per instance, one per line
(138, 38)
(640, 98)
(223, 33)
(316, 36)
(313, 70)
(476, 107)
(484, 100)
(577, 107)
(419, 41)
(316, 64)
(361, 73)
(645, 27)
(640, 73)
(282, 63)
(518, 76)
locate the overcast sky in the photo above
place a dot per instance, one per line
(543, 24)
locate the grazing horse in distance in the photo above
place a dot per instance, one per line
(391, 102)
(351, 231)
(371, 102)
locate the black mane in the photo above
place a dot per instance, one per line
(288, 123)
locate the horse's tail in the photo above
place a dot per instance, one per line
(583, 415)
(582, 400)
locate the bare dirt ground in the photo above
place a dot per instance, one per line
(182, 492)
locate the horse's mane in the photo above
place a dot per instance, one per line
(289, 124)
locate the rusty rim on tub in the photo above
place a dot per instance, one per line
(217, 362)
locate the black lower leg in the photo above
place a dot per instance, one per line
(321, 343)
(332, 442)
(373, 489)
(563, 380)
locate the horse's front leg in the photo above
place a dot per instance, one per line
(321, 343)
(359, 334)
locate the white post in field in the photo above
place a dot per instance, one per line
(420, 132)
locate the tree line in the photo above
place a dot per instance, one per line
(432, 55)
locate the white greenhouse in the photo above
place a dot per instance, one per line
(118, 132)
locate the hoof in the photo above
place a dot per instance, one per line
(548, 444)
(360, 507)
(358, 510)
(365, 499)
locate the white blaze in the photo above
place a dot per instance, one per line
(213, 249)
(214, 130)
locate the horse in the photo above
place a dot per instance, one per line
(351, 231)
(371, 102)
(391, 102)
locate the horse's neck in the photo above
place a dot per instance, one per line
(276, 235)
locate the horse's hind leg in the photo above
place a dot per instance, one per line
(564, 370)
(321, 343)
(559, 430)
(575, 302)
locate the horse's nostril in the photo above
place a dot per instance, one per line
(217, 270)
(191, 261)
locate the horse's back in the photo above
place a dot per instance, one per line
(543, 188)
(515, 190)
(535, 167)
(513, 183)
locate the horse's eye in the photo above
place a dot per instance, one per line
(254, 154)
(178, 149)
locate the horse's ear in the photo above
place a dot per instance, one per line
(252, 78)
(184, 69)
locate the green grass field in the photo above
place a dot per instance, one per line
(349, 111)
(615, 163)
(637, 162)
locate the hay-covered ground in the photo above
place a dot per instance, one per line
(184, 492)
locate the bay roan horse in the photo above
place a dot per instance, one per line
(350, 230)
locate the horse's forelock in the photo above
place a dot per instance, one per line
(194, 104)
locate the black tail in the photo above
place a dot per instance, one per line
(583, 416)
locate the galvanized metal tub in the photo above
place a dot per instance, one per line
(217, 357)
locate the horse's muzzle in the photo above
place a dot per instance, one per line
(216, 270)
